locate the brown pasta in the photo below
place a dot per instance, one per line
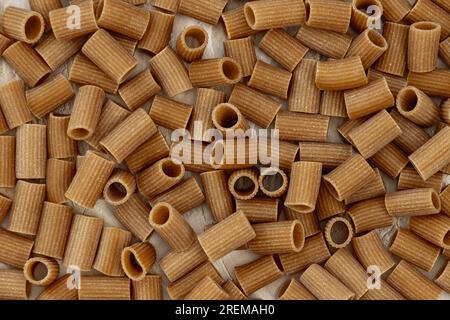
(192, 42)
(139, 90)
(218, 197)
(302, 127)
(233, 291)
(445, 111)
(294, 290)
(235, 23)
(158, 33)
(425, 10)
(243, 184)
(169, 5)
(412, 136)
(308, 220)
(23, 25)
(44, 7)
(435, 83)
(390, 159)
(15, 250)
(423, 46)
(445, 201)
(224, 236)
(54, 228)
(348, 126)
(228, 119)
(338, 232)
(59, 290)
(416, 106)
(4, 43)
(373, 189)
(169, 113)
(259, 210)
(327, 206)
(27, 63)
(119, 188)
(413, 202)
(14, 104)
(395, 83)
(394, 60)
(83, 241)
(269, 182)
(5, 205)
(331, 155)
(331, 15)
(104, 288)
(13, 285)
(361, 14)
(443, 279)
(149, 288)
(395, 11)
(208, 11)
(332, 103)
(304, 96)
(59, 145)
(444, 51)
(271, 80)
(369, 215)
(344, 74)
(410, 179)
(51, 270)
(207, 289)
(435, 229)
(215, 72)
(59, 176)
(137, 260)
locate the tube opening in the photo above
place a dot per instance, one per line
(273, 182)
(231, 70)
(298, 236)
(407, 100)
(339, 232)
(363, 5)
(195, 38)
(79, 133)
(33, 28)
(249, 16)
(436, 200)
(307, 10)
(277, 260)
(171, 169)
(226, 116)
(425, 26)
(160, 214)
(116, 192)
(244, 186)
(134, 268)
(376, 38)
(447, 239)
(283, 288)
(38, 270)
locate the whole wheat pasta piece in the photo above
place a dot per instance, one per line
(412, 136)
(417, 107)
(158, 32)
(13, 285)
(147, 153)
(443, 4)
(386, 292)
(302, 127)
(107, 259)
(107, 54)
(235, 153)
(286, 152)
(206, 100)
(169, 113)
(226, 236)
(51, 270)
(277, 237)
(348, 126)
(149, 288)
(271, 80)
(86, 112)
(394, 60)
(236, 25)
(315, 250)
(327, 206)
(412, 284)
(338, 232)
(26, 62)
(233, 291)
(370, 251)
(369, 215)
(133, 215)
(228, 119)
(443, 279)
(413, 202)
(435, 229)
(59, 176)
(26, 208)
(54, 228)
(119, 188)
(350, 177)
(344, 266)
(59, 290)
(273, 182)
(243, 184)
(390, 159)
(414, 249)
(104, 288)
(374, 134)
(344, 74)
(177, 264)
(184, 197)
(426, 10)
(445, 201)
(116, 15)
(308, 220)
(44, 7)
(159, 177)
(137, 259)
(215, 72)
(14, 250)
(328, 43)
(258, 210)
(369, 46)
(56, 52)
(5, 205)
(304, 96)
(84, 72)
(323, 285)
(191, 43)
(423, 46)
(332, 103)
(4, 43)
(395, 11)
(363, 16)
(171, 226)
(410, 179)
(170, 71)
(3, 125)
(168, 5)
(194, 155)
(433, 155)
(59, 144)
(111, 116)
(207, 289)
(178, 289)
(445, 111)
(283, 48)
(294, 290)
(208, 11)
(258, 274)
(333, 15)
(83, 241)
(22, 25)
(137, 91)
(444, 51)
(435, 83)
(243, 52)
(126, 42)
(373, 189)
(49, 96)
(65, 27)
(14, 104)
(369, 99)
(263, 15)
(90, 180)
(331, 155)
(131, 133)
(246, 98)
(304, 186)
(395, 83)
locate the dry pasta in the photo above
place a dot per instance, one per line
(158, 32)
(304, 96)
(137, 260)
(137, 91)
(207, 289)
(258, 209)
(59, 144)
(369, 215)
(295, 126)
(394, 60)
(23, 25)
(294, 290)
(423, 46)
(104, 288)
(417, 107)
(169, 113)
(410, 179)
(13, 104)
(235, 23)
(192, 42)
(338, 232)
(208, 11)
(13, 285)
(269, 79)
(149, 288)
(218, 197)
(14, 250)
(344, 74)
(434, 229)
(51, 270)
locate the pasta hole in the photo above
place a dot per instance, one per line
(171, 169)
(250, 16)
(339, 232)
(426, 26)
(225, 116)
(231, 70)
(278, 262)
(195, 38)
(408, 100)
(33, 28)
(160, 214)
(39, 271)
(308, 10)
(273, 182)
(117, 191)
(376, 38)
(244, 186)
(363, 5)
(436, 200)
(298, 236)
(99, 11)
(283, 288)
(79, 133)
(447, 239)
(134, 268)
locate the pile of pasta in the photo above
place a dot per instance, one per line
(319, 223)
